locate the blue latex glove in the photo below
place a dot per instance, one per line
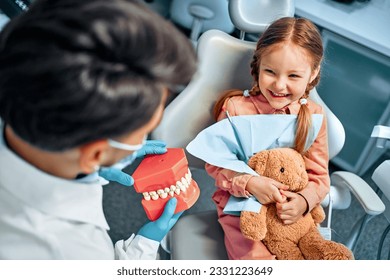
(115, 173)
(159, 228)
(152, 147)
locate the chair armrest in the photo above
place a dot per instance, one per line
(363, 192)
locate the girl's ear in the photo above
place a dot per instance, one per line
(314, 74)
(91, 155)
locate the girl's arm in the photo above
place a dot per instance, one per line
(228, 180)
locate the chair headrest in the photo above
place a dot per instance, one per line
(214, 14)
(254, 16)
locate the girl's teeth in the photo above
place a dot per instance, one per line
(278, 94)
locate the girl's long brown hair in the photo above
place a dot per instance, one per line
(303, 33)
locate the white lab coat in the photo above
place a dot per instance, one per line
(46, 217)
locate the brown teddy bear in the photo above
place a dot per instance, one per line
(301, 240)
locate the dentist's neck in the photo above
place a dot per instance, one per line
(59, 164)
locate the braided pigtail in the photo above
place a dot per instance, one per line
(304, 124)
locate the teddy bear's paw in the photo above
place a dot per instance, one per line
(337, 251)
(318, 214)
(251, 227)
(328, 250)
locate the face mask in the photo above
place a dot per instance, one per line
(126, 147)
(122, 146)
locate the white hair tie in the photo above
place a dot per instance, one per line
(246, 93)
(303, 101)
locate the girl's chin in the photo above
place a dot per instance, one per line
(277, 105)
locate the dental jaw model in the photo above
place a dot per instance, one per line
(161, 177)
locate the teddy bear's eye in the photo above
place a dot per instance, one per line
(282, 169)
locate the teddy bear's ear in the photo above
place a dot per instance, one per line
(258, 161)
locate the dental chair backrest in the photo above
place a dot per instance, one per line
(224, 63)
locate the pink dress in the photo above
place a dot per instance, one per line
(229, 182)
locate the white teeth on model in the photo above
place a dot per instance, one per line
(146, 195)
(184, 181)
(153, 195)
(164, 195)
(181, 186)
(188, 178)
(161, 193)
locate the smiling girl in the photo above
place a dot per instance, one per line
(285, 67)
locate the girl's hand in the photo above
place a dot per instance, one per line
(266, 190)
(292, 209)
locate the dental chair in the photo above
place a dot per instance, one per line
(381, 177)
(199, 16)
(224, 64)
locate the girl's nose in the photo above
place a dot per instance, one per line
(280, 83)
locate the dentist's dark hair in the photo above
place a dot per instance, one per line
(74, 71)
